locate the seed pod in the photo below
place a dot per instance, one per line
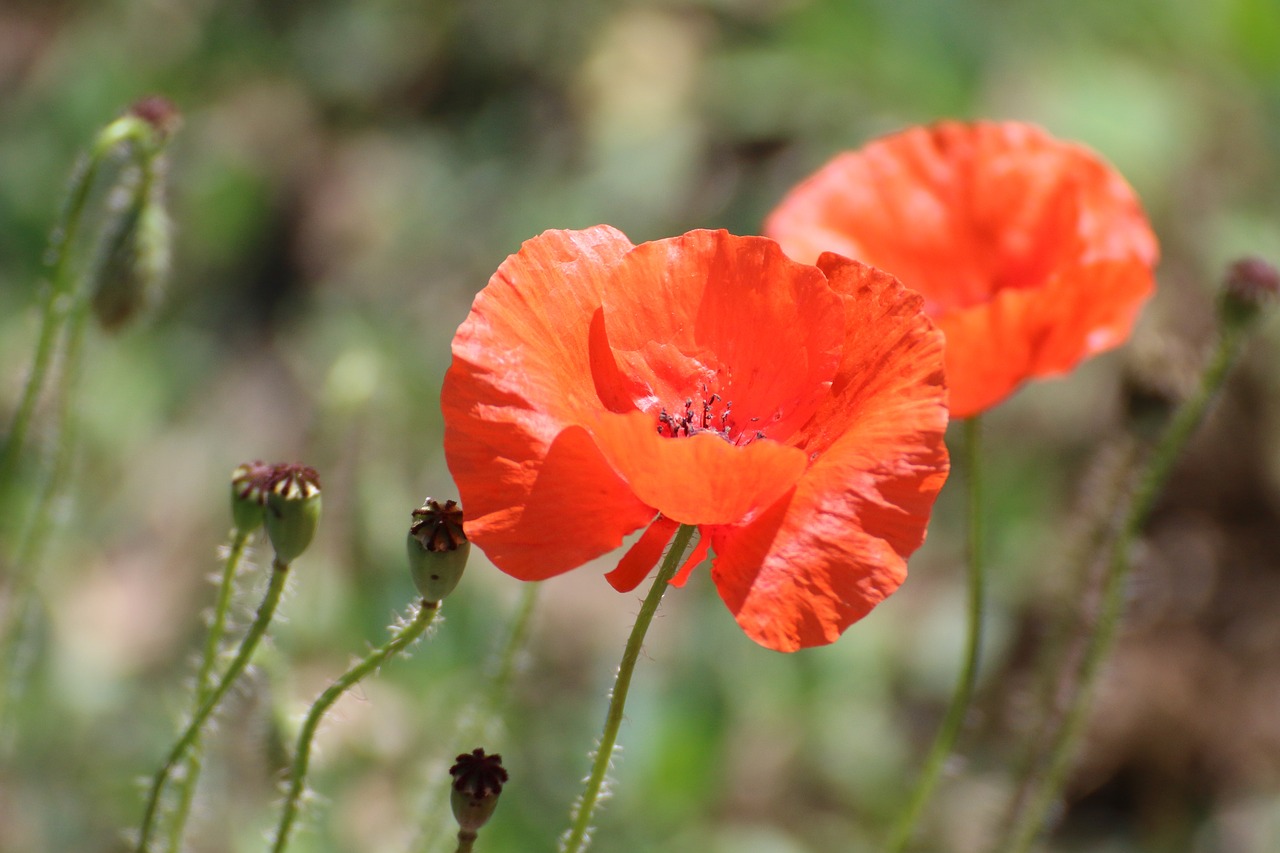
(438, 548)
(293, 510)
(249, 495)
(477, 782)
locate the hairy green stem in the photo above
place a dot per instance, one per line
(1029, 816)
(477, 722)
(279, 574)
(944, 742)
(62, 301)
(402, 638)
(576, 837)
(59, 297)
(505, 666)
(204, 679)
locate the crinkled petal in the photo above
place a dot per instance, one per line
(971, 215)
(820, 558)
(993, 347)
(891, 368)
(729, 314)
(539, 497)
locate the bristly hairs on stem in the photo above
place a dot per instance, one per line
(1251, 286)
(403, 635)
(478, 721)
(577, 836)
(142, 135)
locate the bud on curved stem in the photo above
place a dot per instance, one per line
(293, 510)
(279, 574)
(438, 548)
(402, 637)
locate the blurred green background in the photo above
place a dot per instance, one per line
(348, 175)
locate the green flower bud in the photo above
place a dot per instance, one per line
(134, 265)
(249, 494)
(293, 510)
(477, 782)
(438, 548)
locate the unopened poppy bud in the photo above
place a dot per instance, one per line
(477, 782)
(438, 548)
(293, 509)
(249, 494)
(1251, 285)
(134, 265)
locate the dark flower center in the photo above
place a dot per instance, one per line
(707, 413)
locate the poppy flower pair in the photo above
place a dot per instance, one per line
(788, 401)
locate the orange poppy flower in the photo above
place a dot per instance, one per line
(794, 413)
(1031, 254)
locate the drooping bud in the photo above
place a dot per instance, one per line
(249, 494)
(477, 782)
(293, 509)
(1251, 286)
(135, 254)
(438, 548)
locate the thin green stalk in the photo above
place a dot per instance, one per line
(403, 637)
(477, 721)
(576, 837)
(1026, 823)
(204, 679)
(63, 300)
(58, 294)
(944, 742)
(279, 574)
(504, 670)
(30, 548)
(466, 841)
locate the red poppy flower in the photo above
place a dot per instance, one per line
(794, 413)
(1031, 254)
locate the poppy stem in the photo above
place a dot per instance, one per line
(481, 721)
(212, 647)
(1028, 819)
(279, 574)
(403, 635)
(576, 838)
(64, 301)
(944, 742)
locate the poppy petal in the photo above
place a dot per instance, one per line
(1084, 311)
(539, 497)
(701, 479)
(986, 216)
(894, 364)
(710, 313)
(643, 555)
(821, 557)
(573, 507)
(695, 558)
